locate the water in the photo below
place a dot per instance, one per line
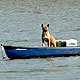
(20, 25)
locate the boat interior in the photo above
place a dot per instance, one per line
(61, 44)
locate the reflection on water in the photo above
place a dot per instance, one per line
(16, 41)
(46, 67)
(34, 70)
(78, 29)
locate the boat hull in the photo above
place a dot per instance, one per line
(26, 52)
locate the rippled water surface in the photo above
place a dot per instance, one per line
(20, 25)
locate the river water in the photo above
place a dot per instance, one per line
(20, 25)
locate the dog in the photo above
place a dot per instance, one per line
(47, 37)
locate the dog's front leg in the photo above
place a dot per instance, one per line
(49, 44)
(43, 44)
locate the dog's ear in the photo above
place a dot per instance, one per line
(42, 25)
(48, 25)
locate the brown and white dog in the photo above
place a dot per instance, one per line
(47, 37)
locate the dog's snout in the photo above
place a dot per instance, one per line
(45, 28)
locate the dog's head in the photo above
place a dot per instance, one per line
(45, 27)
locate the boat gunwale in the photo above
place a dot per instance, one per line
(20, 47)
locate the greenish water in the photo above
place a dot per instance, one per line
(20, 25)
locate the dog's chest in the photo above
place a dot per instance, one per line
(45, 35)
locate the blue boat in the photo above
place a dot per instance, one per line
(13, 52)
